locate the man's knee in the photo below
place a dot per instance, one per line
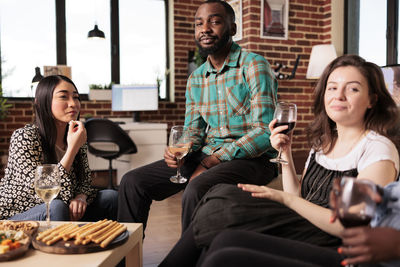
(131, 179)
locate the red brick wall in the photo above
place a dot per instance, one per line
(309, 24)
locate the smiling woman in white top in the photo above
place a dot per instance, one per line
(352, 134)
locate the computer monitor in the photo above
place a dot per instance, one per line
(134, 98)
(392, 81)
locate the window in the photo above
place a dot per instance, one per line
(372, 30)
(372, 41)
(27, 40)
(89, 58)
(142, 43)
(31, 42)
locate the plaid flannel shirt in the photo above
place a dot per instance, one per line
(237, 103)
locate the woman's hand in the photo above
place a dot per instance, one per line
(279, 140)
(261, 191)
(76, 135)
(375, 195)
(77, 207)
(365, 244)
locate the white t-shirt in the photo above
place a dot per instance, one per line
(372, 148)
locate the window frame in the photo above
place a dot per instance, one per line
(61, 43)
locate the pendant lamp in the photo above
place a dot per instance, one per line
(96, 33)
(35, 81)
(38, 76)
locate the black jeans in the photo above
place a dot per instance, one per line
(141, 186)
(240, 248)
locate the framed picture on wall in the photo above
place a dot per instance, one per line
(237, 7)
(274, 19)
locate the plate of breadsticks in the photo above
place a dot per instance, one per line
(75, 238)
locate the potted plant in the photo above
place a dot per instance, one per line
(100, 92)
(4, 106)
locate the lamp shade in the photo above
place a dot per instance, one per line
(96, 33)
(321, 56)
(38, 77)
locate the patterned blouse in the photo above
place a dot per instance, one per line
(17, 193)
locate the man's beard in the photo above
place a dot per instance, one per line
(204, 52)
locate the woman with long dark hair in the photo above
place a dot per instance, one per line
(352, 134)
(56, 137)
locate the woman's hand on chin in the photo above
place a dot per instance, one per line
(262, 191)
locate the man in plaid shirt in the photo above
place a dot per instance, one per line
(230, 101)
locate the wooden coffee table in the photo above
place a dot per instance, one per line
(132, 250)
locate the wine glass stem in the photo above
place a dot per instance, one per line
(48, 214)
(178, 170)
(279, 154)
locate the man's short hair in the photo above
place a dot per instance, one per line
(228, 9)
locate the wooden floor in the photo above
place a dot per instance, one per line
(163, 229)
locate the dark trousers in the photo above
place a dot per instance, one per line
(240, 248)
(244, 248)
(151, 182)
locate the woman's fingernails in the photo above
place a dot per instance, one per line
(340, 250)
(343, 263)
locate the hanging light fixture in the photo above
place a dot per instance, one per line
(96, 33)
(36, 79)
(38, 76)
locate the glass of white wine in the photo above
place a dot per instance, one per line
(179, 145)
(47, 185)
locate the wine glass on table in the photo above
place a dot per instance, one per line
(47, 185)
(285, 114)
(179, 145)
(355, 205)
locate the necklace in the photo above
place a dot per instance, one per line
(309, 195)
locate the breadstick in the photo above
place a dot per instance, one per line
(51, 233)
(68, 234)
(85, 241)
(81, 229)
(101, 231)
(78, 241)
(107, 234)
(56, 233)
(95, 227)
(79, 237)
(60, 235)
(112, 237)
(48, 231)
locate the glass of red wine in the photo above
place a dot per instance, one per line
(285, 114)
(355, 204)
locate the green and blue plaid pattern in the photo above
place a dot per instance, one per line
(237, 102)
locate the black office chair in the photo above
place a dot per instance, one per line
(106, 131)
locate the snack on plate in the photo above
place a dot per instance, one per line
(101, 232)
(28, 227)
(11, 240)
